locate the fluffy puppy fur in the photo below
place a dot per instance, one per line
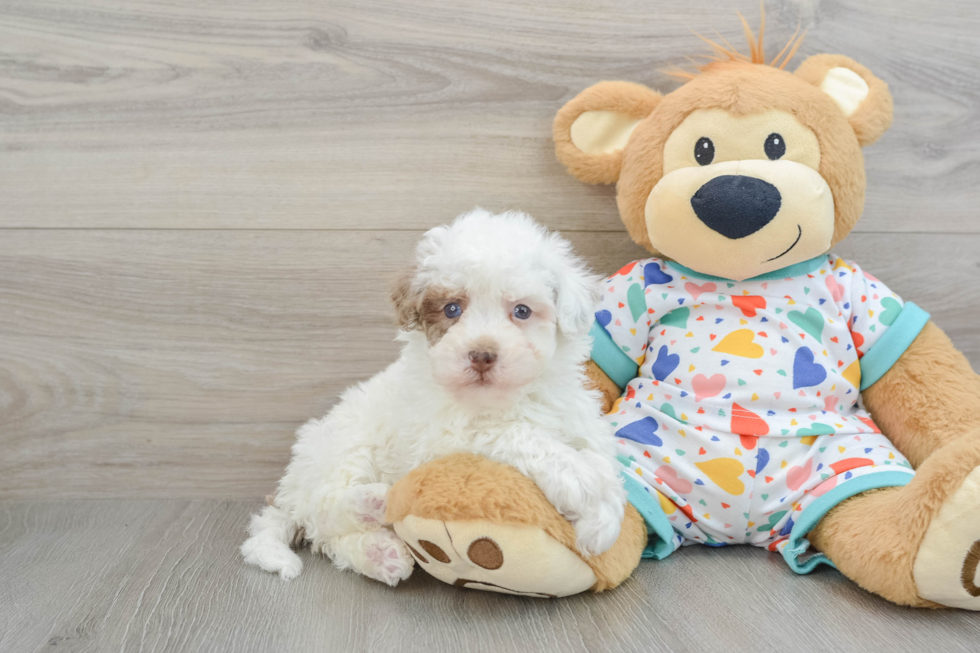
(495, 317)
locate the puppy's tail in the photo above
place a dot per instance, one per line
(272, 532)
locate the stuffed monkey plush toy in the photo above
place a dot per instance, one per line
(762, 390)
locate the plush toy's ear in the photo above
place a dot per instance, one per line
(592, 129)
(862, 97)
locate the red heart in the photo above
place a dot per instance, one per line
(725, 506)
(745, 422)
(748, 304)
(701, 451)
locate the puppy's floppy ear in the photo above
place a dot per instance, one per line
(861, 96)
(576, 289)
(591, 131)
(406, 300)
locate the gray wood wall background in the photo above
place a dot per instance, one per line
(202, 203)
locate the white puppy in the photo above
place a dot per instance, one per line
(495, 318)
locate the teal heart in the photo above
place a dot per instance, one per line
(741, 382)
(677, 317)
(668, 410)
(784, 443)
(781, 372)
(811, 322)
(695, 350)
(773, 520)
(637, 301)
(731, 285)
(703, 502)
(679, 452)
(890, 314)
(784, 431)
(721, 413)
(765, 496)
(822, 449)
(806, 291)
(818, 429)
(778, 311)
(871, 328)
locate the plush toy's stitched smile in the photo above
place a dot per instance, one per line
(798, 236)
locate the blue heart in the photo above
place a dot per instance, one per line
(806, 373)
(665, 364)
(698, 482)
(653, 274)
(643, 431)
(788, 528)
(714, 438)
(603, 318)
(763, 459)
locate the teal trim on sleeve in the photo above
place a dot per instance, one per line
(795, 270)
(798, 544)
(661, 541)
(610, 358)
(892, 344)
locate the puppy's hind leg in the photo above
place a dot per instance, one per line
(378, 554)
(271, 533)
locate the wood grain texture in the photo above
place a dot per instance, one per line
(178, 363)
(379, 114)
(166, 576)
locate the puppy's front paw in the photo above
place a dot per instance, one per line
(368, 502)
(386, 558)
(598, 527)
(272, 556)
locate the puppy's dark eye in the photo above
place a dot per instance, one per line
(704, 151)
(522, 312)
(775, 146)
(452, 310)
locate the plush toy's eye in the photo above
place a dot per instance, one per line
(452, 310)
(704, 151)
(775, 146)
(522, 312)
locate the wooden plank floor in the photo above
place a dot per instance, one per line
(164, 575)
(201, 206)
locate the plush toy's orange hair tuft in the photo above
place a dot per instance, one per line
(725, 52)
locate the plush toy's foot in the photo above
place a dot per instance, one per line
(916, 545)
(474, 523)
(946, 567)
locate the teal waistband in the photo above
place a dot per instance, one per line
(610, 358)
(892, 344)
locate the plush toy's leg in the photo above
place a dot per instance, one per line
(920, 544)
(475, 523)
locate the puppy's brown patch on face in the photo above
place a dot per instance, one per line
(432, 315)
(486, 553)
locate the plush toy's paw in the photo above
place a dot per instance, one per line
(474, 523)
(511, 559)
(947, 567)
(368, 502)
(272, 556)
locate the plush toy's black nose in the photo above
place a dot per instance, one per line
(736, 206)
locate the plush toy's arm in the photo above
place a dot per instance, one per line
(929, 397)
(601, 382)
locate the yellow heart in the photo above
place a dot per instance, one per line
(739, 343)
(853, 374)
(742, 322)
(724, 472)
(751, 524)
(639, 472)
(666, 504)
(690, 368)
(633, 331)
(667, 459)
(681, 431)
(782, 465)
(738, 451)
(808, 439)
(755, 397)
(841, 449)
(707, 516)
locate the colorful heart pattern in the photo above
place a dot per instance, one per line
(745, 407)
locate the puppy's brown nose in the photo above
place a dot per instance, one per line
(482, 360)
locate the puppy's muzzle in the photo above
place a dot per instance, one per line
(481, 360)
